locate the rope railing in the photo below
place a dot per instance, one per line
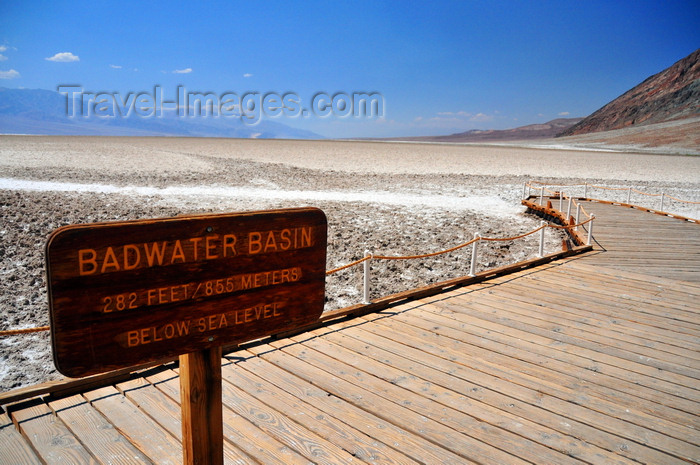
(541, 186)
(425, 255)
(17, 332)
(349, 265)
(441, 252)
(571, 201)
(473, 242)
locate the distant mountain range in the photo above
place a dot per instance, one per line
(38, 111)
(531, 131)
(672, 94)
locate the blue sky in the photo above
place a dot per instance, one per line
(441, 67)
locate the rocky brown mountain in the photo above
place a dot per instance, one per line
(672, 94)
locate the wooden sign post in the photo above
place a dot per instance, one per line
(200, 396)
(128, 293)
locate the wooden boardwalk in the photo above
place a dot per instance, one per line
(646, 243)
(582, 360)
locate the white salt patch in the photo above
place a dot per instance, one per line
(483, 204)
(5, 371)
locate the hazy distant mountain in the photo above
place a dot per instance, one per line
(672, 94)
(531, 131)
(37, 111)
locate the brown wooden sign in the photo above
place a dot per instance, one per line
(128, 293)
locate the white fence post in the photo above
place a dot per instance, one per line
(561, 200)
(578, 213)
(568, 210)
(590, 230)
(663, 195)
(472, 265)
(365, 265)
(585, 190)
(541, 251)
(629, 194)
(541, 194)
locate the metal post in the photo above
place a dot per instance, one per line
(629, 194)
(590, 230)
(663, 195)
(472, 265)
(568, 209)
(578, 212)
(585, 190)
(366, 278)
(541, 194)
(561, 201)
(541, 253)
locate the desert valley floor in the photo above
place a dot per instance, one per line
(389, 198)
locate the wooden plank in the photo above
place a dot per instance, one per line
(237, 430)
(368, 422)
(621, 312)
(583, 367)
(163, 410)
(97, 434)
(582, 374)
(457, 323)
(65, 387)
(510, 359)
(535, 349)
(484, 395)
(586, 266)
(565, 281)
(677, 291)
(397, 368)
(366, 399)
(166, 412)
(646, 292)
(432, 401)
(572, 415)
(149, 437)
(618, 311)
(632, 423)
(683, 378)
(331, 429)
(284, 429)
(547, 318)
(600, 327)
(15, 448)
(635, 279)
(447, 427)
(47, 434)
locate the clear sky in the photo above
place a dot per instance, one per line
(441, 67)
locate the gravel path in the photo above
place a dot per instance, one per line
(393, 199)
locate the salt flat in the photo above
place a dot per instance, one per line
(198, 155)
